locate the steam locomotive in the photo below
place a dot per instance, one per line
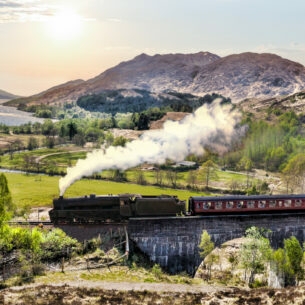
(113, 207)
(94, 208)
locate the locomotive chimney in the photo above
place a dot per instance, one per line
(61, 197)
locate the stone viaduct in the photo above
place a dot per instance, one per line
(172, 242)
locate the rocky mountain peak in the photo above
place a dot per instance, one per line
(237, 76)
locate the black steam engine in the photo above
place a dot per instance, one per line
(95, 209)
(113, 207)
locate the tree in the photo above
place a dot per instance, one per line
(49, 141)
(206, 246)
(143, 123)
(172, 177)
(72, 129)
(15, 145)
(29, 162)
(208, 172)
(140, 177)
(48, 128)
(233, 260)
(192, 179)
(278, 265)
(287, 262)
(79, 140)
(32, 143)
(294, 172)
(118, 175)
(246, 164)
(159, 175)
(294, 254)
(109, 138)
(6, 203)
(255, 253)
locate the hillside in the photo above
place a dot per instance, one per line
(268, 109)
(6, 95)
(238, 76)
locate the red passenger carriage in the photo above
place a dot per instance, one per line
(246, 204)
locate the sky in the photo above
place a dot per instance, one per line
(47, 43)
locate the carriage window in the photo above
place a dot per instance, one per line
(250, 204)
(298, 203)
(240, 204)
(287, 203)
(198, 205)
(261, 203)
(218, 205)
(230, 204)
(206, 205)
(280, 203)
(272, 203)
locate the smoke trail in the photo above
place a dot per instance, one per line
(212, 125)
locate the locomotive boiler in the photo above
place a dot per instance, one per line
(94, 209)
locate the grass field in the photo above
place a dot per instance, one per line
(39, 190)
(32, 190)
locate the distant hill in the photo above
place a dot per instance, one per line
(66, 92)
(238, 76)
(268, 109)
(6, 95)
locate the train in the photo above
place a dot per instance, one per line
(105, 208)
(120, 207)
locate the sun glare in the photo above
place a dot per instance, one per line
(65, 25)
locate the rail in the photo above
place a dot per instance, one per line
(49, 223)
(29, 223)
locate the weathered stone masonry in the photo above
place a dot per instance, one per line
(173, 242)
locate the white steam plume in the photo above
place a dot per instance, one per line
(212, 125)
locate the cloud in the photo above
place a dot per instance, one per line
(25, 10)
(9, 3)
(115, 20)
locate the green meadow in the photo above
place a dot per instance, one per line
(29, 190)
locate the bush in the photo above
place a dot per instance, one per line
(157, 271)
(58, 244)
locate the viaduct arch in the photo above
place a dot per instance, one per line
(172, 242)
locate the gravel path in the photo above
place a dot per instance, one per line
(127, 286)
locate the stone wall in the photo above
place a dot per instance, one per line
(83, 232)
(173, 242)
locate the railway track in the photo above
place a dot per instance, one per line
(30, 223)
(50, 224)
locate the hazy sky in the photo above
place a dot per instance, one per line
(45, 43)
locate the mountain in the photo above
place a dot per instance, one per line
(6, 95)
(238, 76)
(249, 75)
(154, 73)
(66, 92)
